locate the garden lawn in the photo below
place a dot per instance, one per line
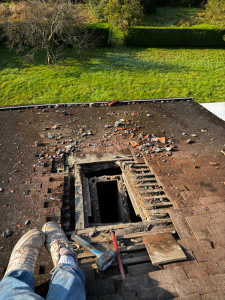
(114, 73)
(169, 16)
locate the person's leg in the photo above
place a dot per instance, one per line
(67, 279)
(67, 283)
(18, 285)
(18, 282)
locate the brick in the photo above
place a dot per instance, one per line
(201, 285)
(214, 296)
(203, 255)
(218, 253)
(212, 193)
(134, 283)
(158, 277)
(179, 184)
(100, 287)
(201, 210)
(110, 297)
(219, 281)
(174, 197)
(192, 195)
(179, 264)
(129, 295)
(189, 255)
(198, 225)
(184, 288)
(221, 265)
(210, 199)
(107, 273)
(211, 268)
(168, 276)
(221, 206)
(192, 244)
(176, 274)
(168, 292)
(142, 268)
(201, 269)
(89, 275)
(217, 217)
(180, 224)
(195, 270)
(217, 230)
(190, 297)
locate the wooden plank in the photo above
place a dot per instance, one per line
(144, 175)
(129, 249)
(141, 234)
(87, 198)
(146, 180)
(111, 227)
(141, 185)
(156, 205)
(105, 237)
(135, 226)
(94, 201)
(132, 195)
(163, 248)
(79, 203)
(156, 197)
(143, 191)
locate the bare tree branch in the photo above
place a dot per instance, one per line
(48, 26)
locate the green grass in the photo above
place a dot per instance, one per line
(168, 16)
(106, 74)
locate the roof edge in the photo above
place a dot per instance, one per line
(95, 104)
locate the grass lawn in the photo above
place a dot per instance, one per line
(169, 16)
(117, 72)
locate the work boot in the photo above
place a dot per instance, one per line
(26, 251)
(55, 239)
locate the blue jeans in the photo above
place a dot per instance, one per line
(67, 282)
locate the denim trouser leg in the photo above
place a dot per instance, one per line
(18, 285)
(67, 282)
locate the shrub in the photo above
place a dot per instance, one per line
(1, 35)
(101, 33)
(149, 6)
(214, 13)
(175, 37)
(39, 25)
(175, 3)
(97, 7)
(4, 12)
(118, 13)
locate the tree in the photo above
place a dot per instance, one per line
(118, 13)
(214, 13)
(48, 26)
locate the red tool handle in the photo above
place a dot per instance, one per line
(118, 255)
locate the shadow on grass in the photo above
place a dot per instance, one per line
(95, 60)
(10, 58)
(123, 59)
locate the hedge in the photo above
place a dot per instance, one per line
(195, 36)
(101, 32)
(1, 36)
